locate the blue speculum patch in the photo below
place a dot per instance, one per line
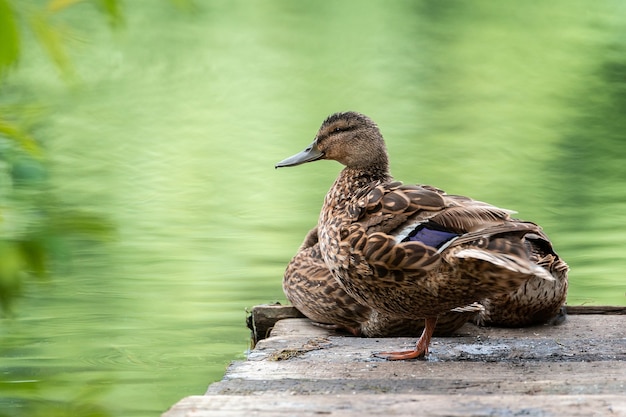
(430, 234)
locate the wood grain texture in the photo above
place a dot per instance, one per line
(575, 369)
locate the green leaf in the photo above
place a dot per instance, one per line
(24, 140)
(51, 39)
(34, 254)
(10, 38)
(11, 263)
(57, 5)
(113, 11)
(75, 222)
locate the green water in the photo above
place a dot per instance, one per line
(173, 130)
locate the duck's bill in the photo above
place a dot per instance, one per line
(310, 154)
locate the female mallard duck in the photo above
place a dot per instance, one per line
(310, 287)
(410, 251)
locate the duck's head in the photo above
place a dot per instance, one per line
(350, 138)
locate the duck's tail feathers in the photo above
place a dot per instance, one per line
(509, 263)
(472, 308)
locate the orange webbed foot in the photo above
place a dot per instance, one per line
(421, 347)
(402, 355)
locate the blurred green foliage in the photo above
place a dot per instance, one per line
(33, 221)
(10, 46)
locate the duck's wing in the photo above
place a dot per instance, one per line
(310, 286)
(401, 231)
(401, 211)
(388, 207)
(463, 214)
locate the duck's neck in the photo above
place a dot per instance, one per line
(350, 185)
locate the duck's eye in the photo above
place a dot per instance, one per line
(337, 130)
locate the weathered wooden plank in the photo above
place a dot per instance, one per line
(596, 310)
(427, 378)
(576, 369)
(581, 338)
(577, 326)
(400, 405)
(579, 357)
(262, 319)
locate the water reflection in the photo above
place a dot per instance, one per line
(591, 167)
(179, 119)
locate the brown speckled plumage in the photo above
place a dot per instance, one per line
(310, 287)
(365, 238)
(536, 301)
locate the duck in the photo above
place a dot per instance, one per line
(413, 251)
(310, 287)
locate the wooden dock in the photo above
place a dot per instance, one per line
(574, 369)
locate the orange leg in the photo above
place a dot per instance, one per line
(421, 347)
